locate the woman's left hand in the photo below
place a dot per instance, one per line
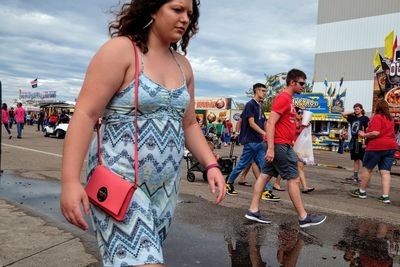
(216, 179)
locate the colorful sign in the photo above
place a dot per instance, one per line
(213, 103)
(38, 95)
(387, 76)
(314, 102)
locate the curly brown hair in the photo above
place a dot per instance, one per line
(382, 108)
(133, 16)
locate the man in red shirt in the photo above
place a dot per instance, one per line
(280, 157)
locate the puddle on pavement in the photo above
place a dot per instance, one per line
(363, 243)
(222, 237)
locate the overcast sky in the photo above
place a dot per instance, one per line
(239, 41)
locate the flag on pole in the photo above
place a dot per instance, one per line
(329, 90)
(326, 82)
(341, 82)
(377, 61)
(34, 83)
(389, 45)
(333, 92)
(343, 94)
(394, 48)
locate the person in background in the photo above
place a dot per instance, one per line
(381, 146)
(32, 118)
(53, 119)
(252, 134)
(20, 115)
(268, 195)
(5, 119)
(27, 118)
(229, 127)
(63, 118)
(358, 122)
(11, 116)
(40, 120)
(398, 139)
(280, 157)
(300, 163)
(342, 138)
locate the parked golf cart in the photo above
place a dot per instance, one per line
(58, 130)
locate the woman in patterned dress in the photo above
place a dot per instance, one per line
(166, 123)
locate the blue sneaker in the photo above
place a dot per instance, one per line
(312, 220)
(257, 217)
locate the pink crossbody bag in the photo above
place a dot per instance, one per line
(106, 189)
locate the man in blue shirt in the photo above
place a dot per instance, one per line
(252, 133)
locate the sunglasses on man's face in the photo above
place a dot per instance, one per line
(301, 83)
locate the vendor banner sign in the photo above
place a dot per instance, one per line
(38, 95)
(387, 76)
(213, 103)
(314, 102)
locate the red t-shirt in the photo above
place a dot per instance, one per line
(386, 139)
(4, 116)
(53, 119)
(285, 128)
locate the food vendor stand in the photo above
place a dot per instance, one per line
(327, 120)
(214, 110)
(387, 77)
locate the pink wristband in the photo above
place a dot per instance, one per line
(212, 165)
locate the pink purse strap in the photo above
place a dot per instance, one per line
(136, 103)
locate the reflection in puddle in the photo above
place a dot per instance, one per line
(290, 245)
(358, 243)
(366, 243)
(244, 246)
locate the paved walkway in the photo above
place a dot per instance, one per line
(27, 240)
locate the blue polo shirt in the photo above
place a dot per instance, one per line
(247, 134)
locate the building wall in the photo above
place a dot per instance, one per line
(348, 33)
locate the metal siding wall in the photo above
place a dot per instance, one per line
(356, 34)
(353, 65)
(338, 10)
(357, 92)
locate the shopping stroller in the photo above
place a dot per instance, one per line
(226, 164)
(211, 136)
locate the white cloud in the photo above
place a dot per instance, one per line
(212, 70)
(239, 42)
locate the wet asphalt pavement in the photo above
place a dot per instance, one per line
(204, 234)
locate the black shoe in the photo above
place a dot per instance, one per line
(267, 195)
(257, 217)
(10, 137)
(230, 190)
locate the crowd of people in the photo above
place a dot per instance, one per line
(142, 52)
(21, 117)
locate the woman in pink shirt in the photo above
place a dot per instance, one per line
(5, 119)
(20, 119)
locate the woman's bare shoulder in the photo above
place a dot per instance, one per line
(182, 59)
(185, 64)
(116, 46)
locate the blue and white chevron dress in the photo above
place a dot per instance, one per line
(138, 239)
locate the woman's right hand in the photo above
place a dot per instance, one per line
(72, 195)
